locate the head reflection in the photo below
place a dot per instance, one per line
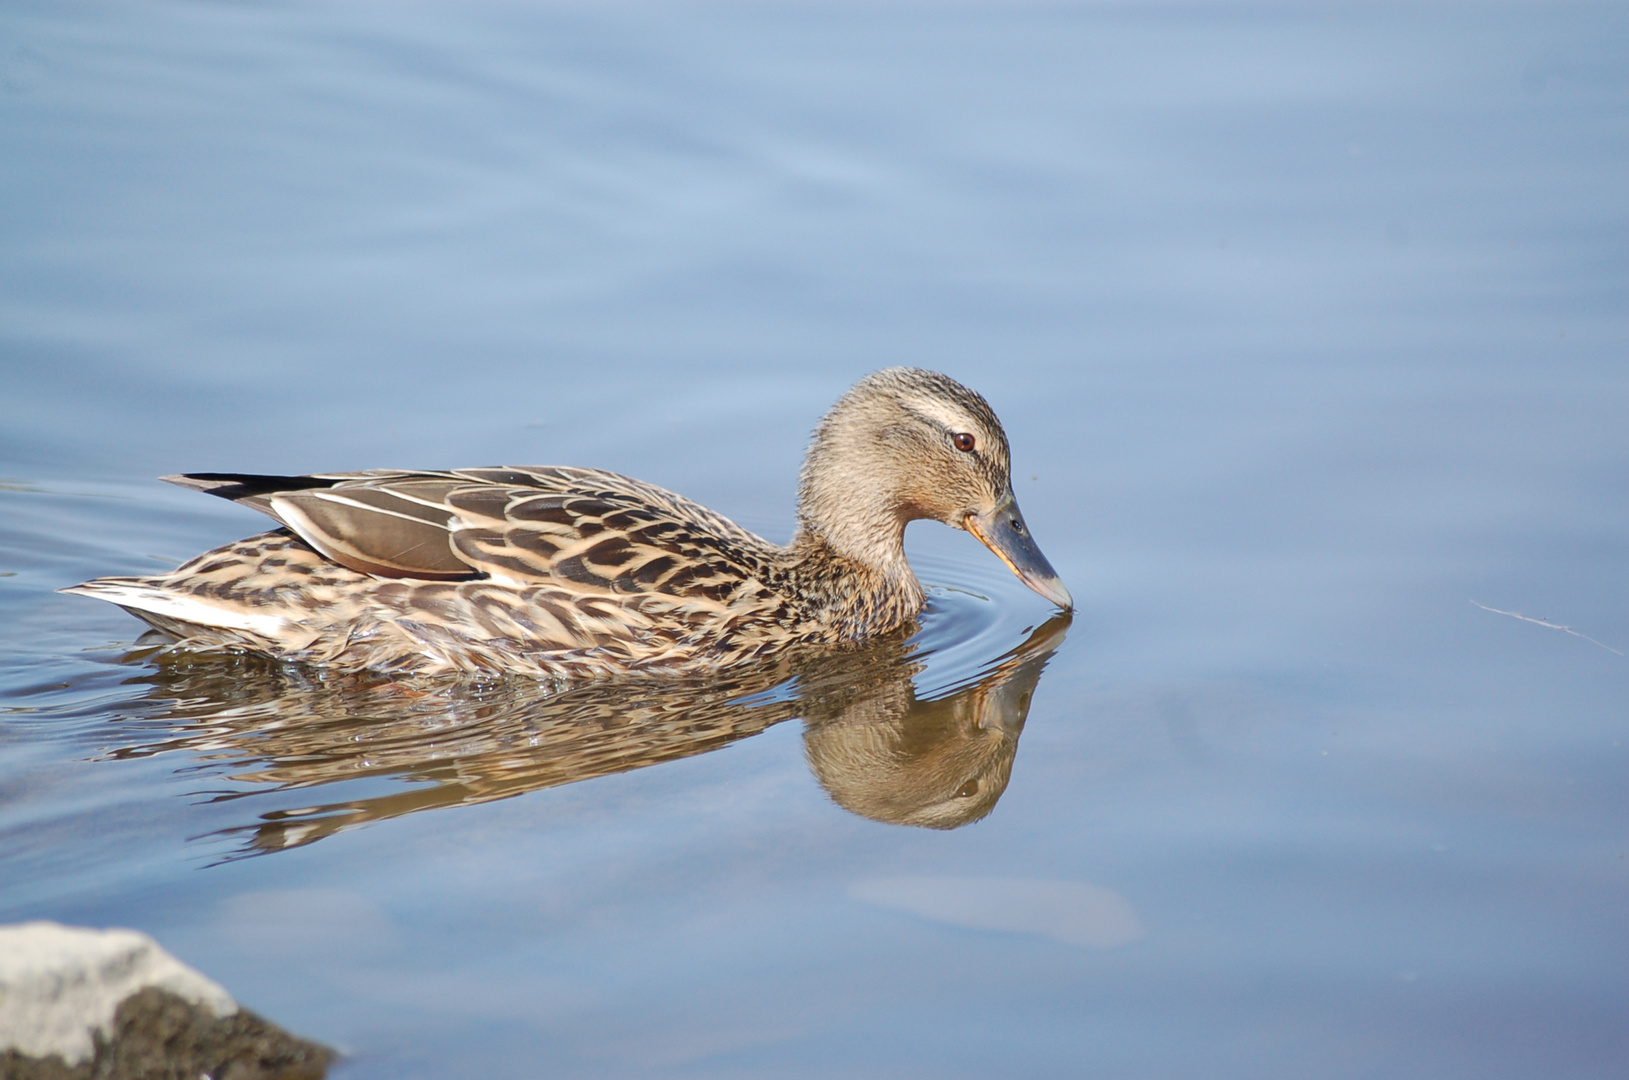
(280, 734)
(940, 763)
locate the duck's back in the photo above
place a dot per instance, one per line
(546, 571)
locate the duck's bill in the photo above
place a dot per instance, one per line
(1003, 531)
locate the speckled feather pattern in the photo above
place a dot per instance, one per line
(601, 575)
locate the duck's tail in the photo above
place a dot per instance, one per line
(157, 602)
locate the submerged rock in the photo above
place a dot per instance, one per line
(81, 1004)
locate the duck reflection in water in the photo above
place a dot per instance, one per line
(875, 747)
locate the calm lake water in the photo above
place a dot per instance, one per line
(1310, 329)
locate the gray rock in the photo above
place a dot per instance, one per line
(111, 1004)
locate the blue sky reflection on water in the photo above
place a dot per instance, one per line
(1307, 324)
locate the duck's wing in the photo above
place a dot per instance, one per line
(584, 529)
(386, 523)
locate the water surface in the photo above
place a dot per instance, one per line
(1308, 325)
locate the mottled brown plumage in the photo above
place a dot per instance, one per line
(577, 573)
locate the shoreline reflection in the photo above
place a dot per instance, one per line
(876, 749)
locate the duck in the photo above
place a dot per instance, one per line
(573, 574)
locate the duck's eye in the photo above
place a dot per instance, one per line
(964, 442)
(968, 790)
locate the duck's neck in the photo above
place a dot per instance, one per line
(858, 600)
(849, 551)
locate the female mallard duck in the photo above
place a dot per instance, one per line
(577, 573)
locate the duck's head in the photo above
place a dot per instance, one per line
(904, 444)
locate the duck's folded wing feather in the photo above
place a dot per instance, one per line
(590, 530)
(392, 529)
(600, 541)
(389, 523)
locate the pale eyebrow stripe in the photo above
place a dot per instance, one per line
(947, 419)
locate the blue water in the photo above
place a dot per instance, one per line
(1308, 326)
